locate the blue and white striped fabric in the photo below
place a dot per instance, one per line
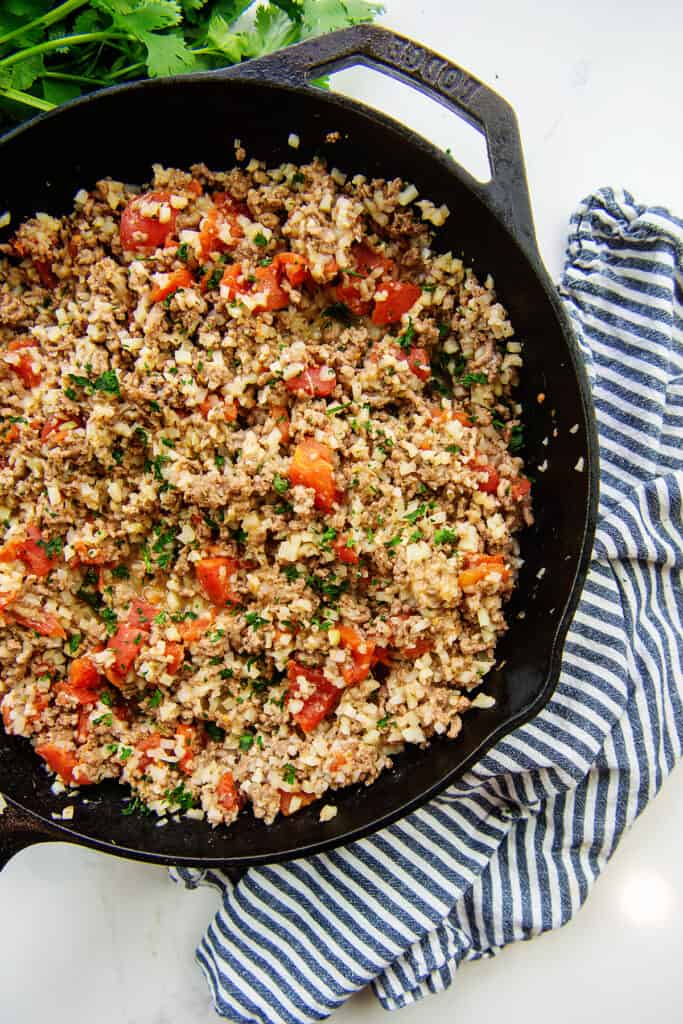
(514, 847)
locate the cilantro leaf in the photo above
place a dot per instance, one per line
(167, 54)
(137, 17)
(272, 30)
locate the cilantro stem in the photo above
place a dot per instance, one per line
(58, 44)
(24, 97)
(62, 76)
(44, 20)
(122, 72)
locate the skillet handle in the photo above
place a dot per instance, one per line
(19, 830)
(507, 194)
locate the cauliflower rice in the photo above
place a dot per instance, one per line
(257, 485)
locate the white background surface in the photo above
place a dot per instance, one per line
(87, 939)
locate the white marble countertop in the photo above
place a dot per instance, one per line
(597, 88)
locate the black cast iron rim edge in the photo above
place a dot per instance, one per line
(54, 830)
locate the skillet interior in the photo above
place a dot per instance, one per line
(179, 122)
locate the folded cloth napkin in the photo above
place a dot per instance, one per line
(513, 848)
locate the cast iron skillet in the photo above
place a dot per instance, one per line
(120, 132)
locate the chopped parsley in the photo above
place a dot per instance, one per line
(74, 643)
(155, 699)
(182, 252)
(291, 573)
(289, 774)
(107, 697)
(53, 548)
(255, 620)
(327, 536)
(215, 731)
(108, 616)
(416, 514)
(445, 536)
(335, 409)
(136, 806)
(91, 597)
(246, 741)
(260, 240)
(103, 720)
(181, 797)
(266, 261)
(405, 340)
(516, 442)
(468, 379)
(226, 673)
(280, 484)
(384, 723)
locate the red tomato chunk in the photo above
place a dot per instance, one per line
(141, 230)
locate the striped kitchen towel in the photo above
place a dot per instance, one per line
(513, 848)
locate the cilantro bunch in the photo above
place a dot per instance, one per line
(52, 53)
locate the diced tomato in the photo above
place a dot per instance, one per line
(62, 762)
(319, 704)
(83, 725)
(139, 232)
(328, 272)
(227, 793)
(7, 597)
(195, 187)
(9, 434)
(316, 381)
(87, 555)
(290, 803)
(349, 294)
(25, 369)
(400, 296)
(84, 681)
(268, 282)
(128, 639)
(345, 553)
(31, 552)
(6, 710)
(151, 742)
(311, 466)
(362, 653)
(230, 409)
(280, 414)
(192, 630)
(417, 359)
(489, 485)
(175, 655)
(141, 613)
(519, 488)
(367, 259)
(214, 576)
(47, 624)
(418, 649)
(126, 643)
(234, 281)
(489, 563)
(338, 762)
(222, 220)
(190, 742)
(442, 415)
(178, 279)
(295, 267)
(48, 278)
(56, 428)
